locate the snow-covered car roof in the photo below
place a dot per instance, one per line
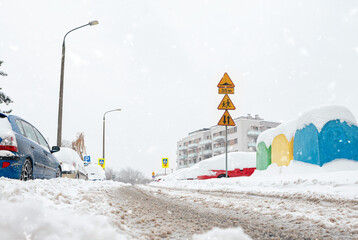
(68, 155)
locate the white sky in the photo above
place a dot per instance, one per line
(160, 61)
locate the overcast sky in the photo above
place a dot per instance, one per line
(161, 61)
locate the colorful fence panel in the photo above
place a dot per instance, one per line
(282, 150)
(338, 140)
(263, 156)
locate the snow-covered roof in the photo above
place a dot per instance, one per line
(318, 116)
(288, 129)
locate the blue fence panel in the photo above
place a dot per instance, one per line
(306, 146)
(338, 140)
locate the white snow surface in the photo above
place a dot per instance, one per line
(288, 129)
(337, 179)
(6, 129)
(76, 209)
(67, 155)
(235, 160)
(55, 209)
(227, 234)
(318, 116)
(5, 125)
(5, 153)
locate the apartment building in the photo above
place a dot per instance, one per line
(208, 142)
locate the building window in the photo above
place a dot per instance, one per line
(232, 130)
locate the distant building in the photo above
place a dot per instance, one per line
(208, 142)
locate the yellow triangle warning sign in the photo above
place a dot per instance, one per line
(226, 104)
(226, 82)
(226, 120)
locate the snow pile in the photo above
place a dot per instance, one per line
(337, 179)
(318, 116)
(55, 209)
(288, 129)
(227, 234)
(95, 172)
(236, 160)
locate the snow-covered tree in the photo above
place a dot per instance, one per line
(3, 97)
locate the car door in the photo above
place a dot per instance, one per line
(36, 149)
(49, 160)
(24, 147)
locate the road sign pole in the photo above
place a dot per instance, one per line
(226, 151)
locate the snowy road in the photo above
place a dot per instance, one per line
(78, 209)
(150, 212)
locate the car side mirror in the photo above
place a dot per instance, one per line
(55, 149)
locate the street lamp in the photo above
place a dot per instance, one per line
(104, 127)
(59, 125)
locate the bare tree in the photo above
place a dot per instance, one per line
(79, 145)
(132, 176)
(111, 174)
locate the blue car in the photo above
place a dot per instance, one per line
(24, 152)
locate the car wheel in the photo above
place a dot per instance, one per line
(222, 175)
(26, 171)
(58, 173)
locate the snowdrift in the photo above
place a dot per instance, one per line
(236, 160)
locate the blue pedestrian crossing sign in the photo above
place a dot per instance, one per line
(101, 162)
(165, 163)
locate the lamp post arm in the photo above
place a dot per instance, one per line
(64, 38)
(104, 129)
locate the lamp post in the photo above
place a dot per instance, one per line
(104, 128)
(60, 105)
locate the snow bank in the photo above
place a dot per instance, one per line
(55, 209)
(235, 160)
(337, 179)
(227, 234)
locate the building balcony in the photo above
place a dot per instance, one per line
(251, 144)
(252, 133)
(219, 149)
(206, 142)
(219, 138)
(193, 145)
(192, 155)
(183, 148)
(182, 157)
(207, 152)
